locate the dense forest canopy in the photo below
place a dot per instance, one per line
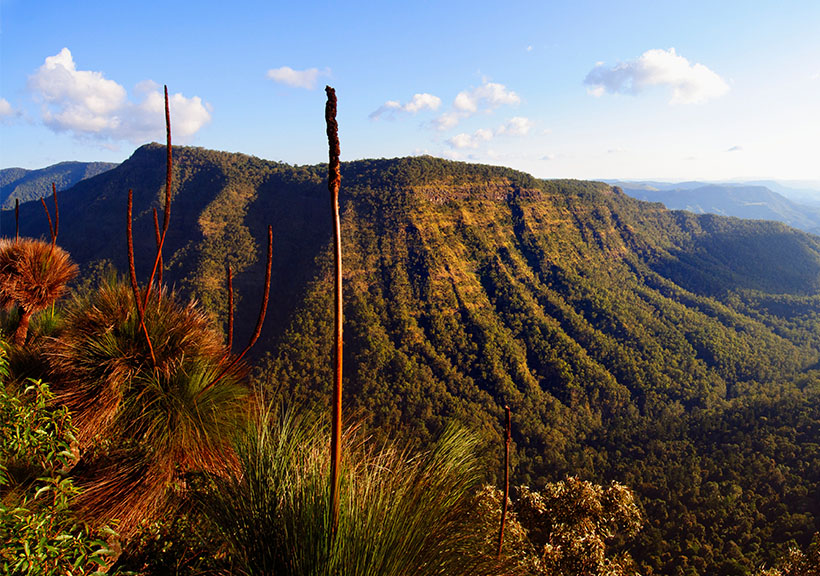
(678, 354)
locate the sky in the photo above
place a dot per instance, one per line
(683, 90)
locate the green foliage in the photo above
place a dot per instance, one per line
(798, 563)
(570, 528)
(399, 514)
(40, 534)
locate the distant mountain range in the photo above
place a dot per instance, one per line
(799, 208)
(678, 353)
(26, 185)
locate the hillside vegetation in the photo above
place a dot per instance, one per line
(26, 185)
(672, 352)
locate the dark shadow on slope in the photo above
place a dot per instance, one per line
(745, 255)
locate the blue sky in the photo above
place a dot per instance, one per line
(583, 89)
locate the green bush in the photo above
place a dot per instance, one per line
(40, 534)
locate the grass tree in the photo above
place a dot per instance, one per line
(33, 274)
(154, 390)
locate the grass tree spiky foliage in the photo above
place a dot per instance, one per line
(399, 514)
(152, 407)
(33, 275)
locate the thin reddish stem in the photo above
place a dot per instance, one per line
(133, 272)
(158, 239)
(48, 215)
(169, 165)
(262, 312)
(507, 438)
(230, 308)
(56, 213)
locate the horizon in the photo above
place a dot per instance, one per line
(588, 91)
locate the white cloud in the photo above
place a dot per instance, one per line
(447, 121)
(735, 149)
(6, 111)
(690, 83)
(418, 103)
(516, 126)
(484, 98)
(89, 105)
(297, 78)
(422, 101)
(489, 95)
(146, 119)
(474, 140)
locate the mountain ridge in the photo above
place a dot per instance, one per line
(27, 185)
(749, 200)
(632, 342)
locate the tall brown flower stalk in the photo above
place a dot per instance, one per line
(333, 182)
(56, 214)
(50, 223)
(259, 321)
(505, 502)
(230, 308)
(133, 274)
(169, 167)
(158, 237)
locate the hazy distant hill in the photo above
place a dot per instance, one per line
(675, 352)
(26, 185)
(743, 201)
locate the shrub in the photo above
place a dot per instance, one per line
(40, 533)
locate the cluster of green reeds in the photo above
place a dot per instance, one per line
(400, 512)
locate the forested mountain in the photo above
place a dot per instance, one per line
(756, 202)
(676, 353)
(25, 185)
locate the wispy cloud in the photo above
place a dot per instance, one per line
(87, 104)
(297, 78)
(474, 140)
(690, 83)
(7, 111)
(484, 98)
(516, 126)
(489, 95)
(416, 104)
(735, 149)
